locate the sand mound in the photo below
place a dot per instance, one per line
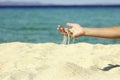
(49, 61)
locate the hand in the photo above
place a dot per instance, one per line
(75, 31)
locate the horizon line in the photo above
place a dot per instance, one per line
(60, 6)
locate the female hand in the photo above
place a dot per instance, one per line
(75, 30)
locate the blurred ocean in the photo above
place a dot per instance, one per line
(38, 25)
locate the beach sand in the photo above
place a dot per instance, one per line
(50, 61)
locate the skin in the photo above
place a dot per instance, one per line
(77, 30)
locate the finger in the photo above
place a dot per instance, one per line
(62, 30)
(59, 28)
(69, 33)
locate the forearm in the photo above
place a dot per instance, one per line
(112, 32)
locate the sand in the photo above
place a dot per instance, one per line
(50, 61)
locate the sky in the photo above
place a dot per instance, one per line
(68, 2)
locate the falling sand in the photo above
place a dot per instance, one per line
(50, 61)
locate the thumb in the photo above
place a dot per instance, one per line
(70, 24)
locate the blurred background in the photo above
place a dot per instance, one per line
(36, 21)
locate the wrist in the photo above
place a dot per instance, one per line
(85, 30)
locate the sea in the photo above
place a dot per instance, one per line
(39, 24)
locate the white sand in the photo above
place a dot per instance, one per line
(49, 61)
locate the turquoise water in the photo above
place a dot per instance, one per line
(38, 25)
